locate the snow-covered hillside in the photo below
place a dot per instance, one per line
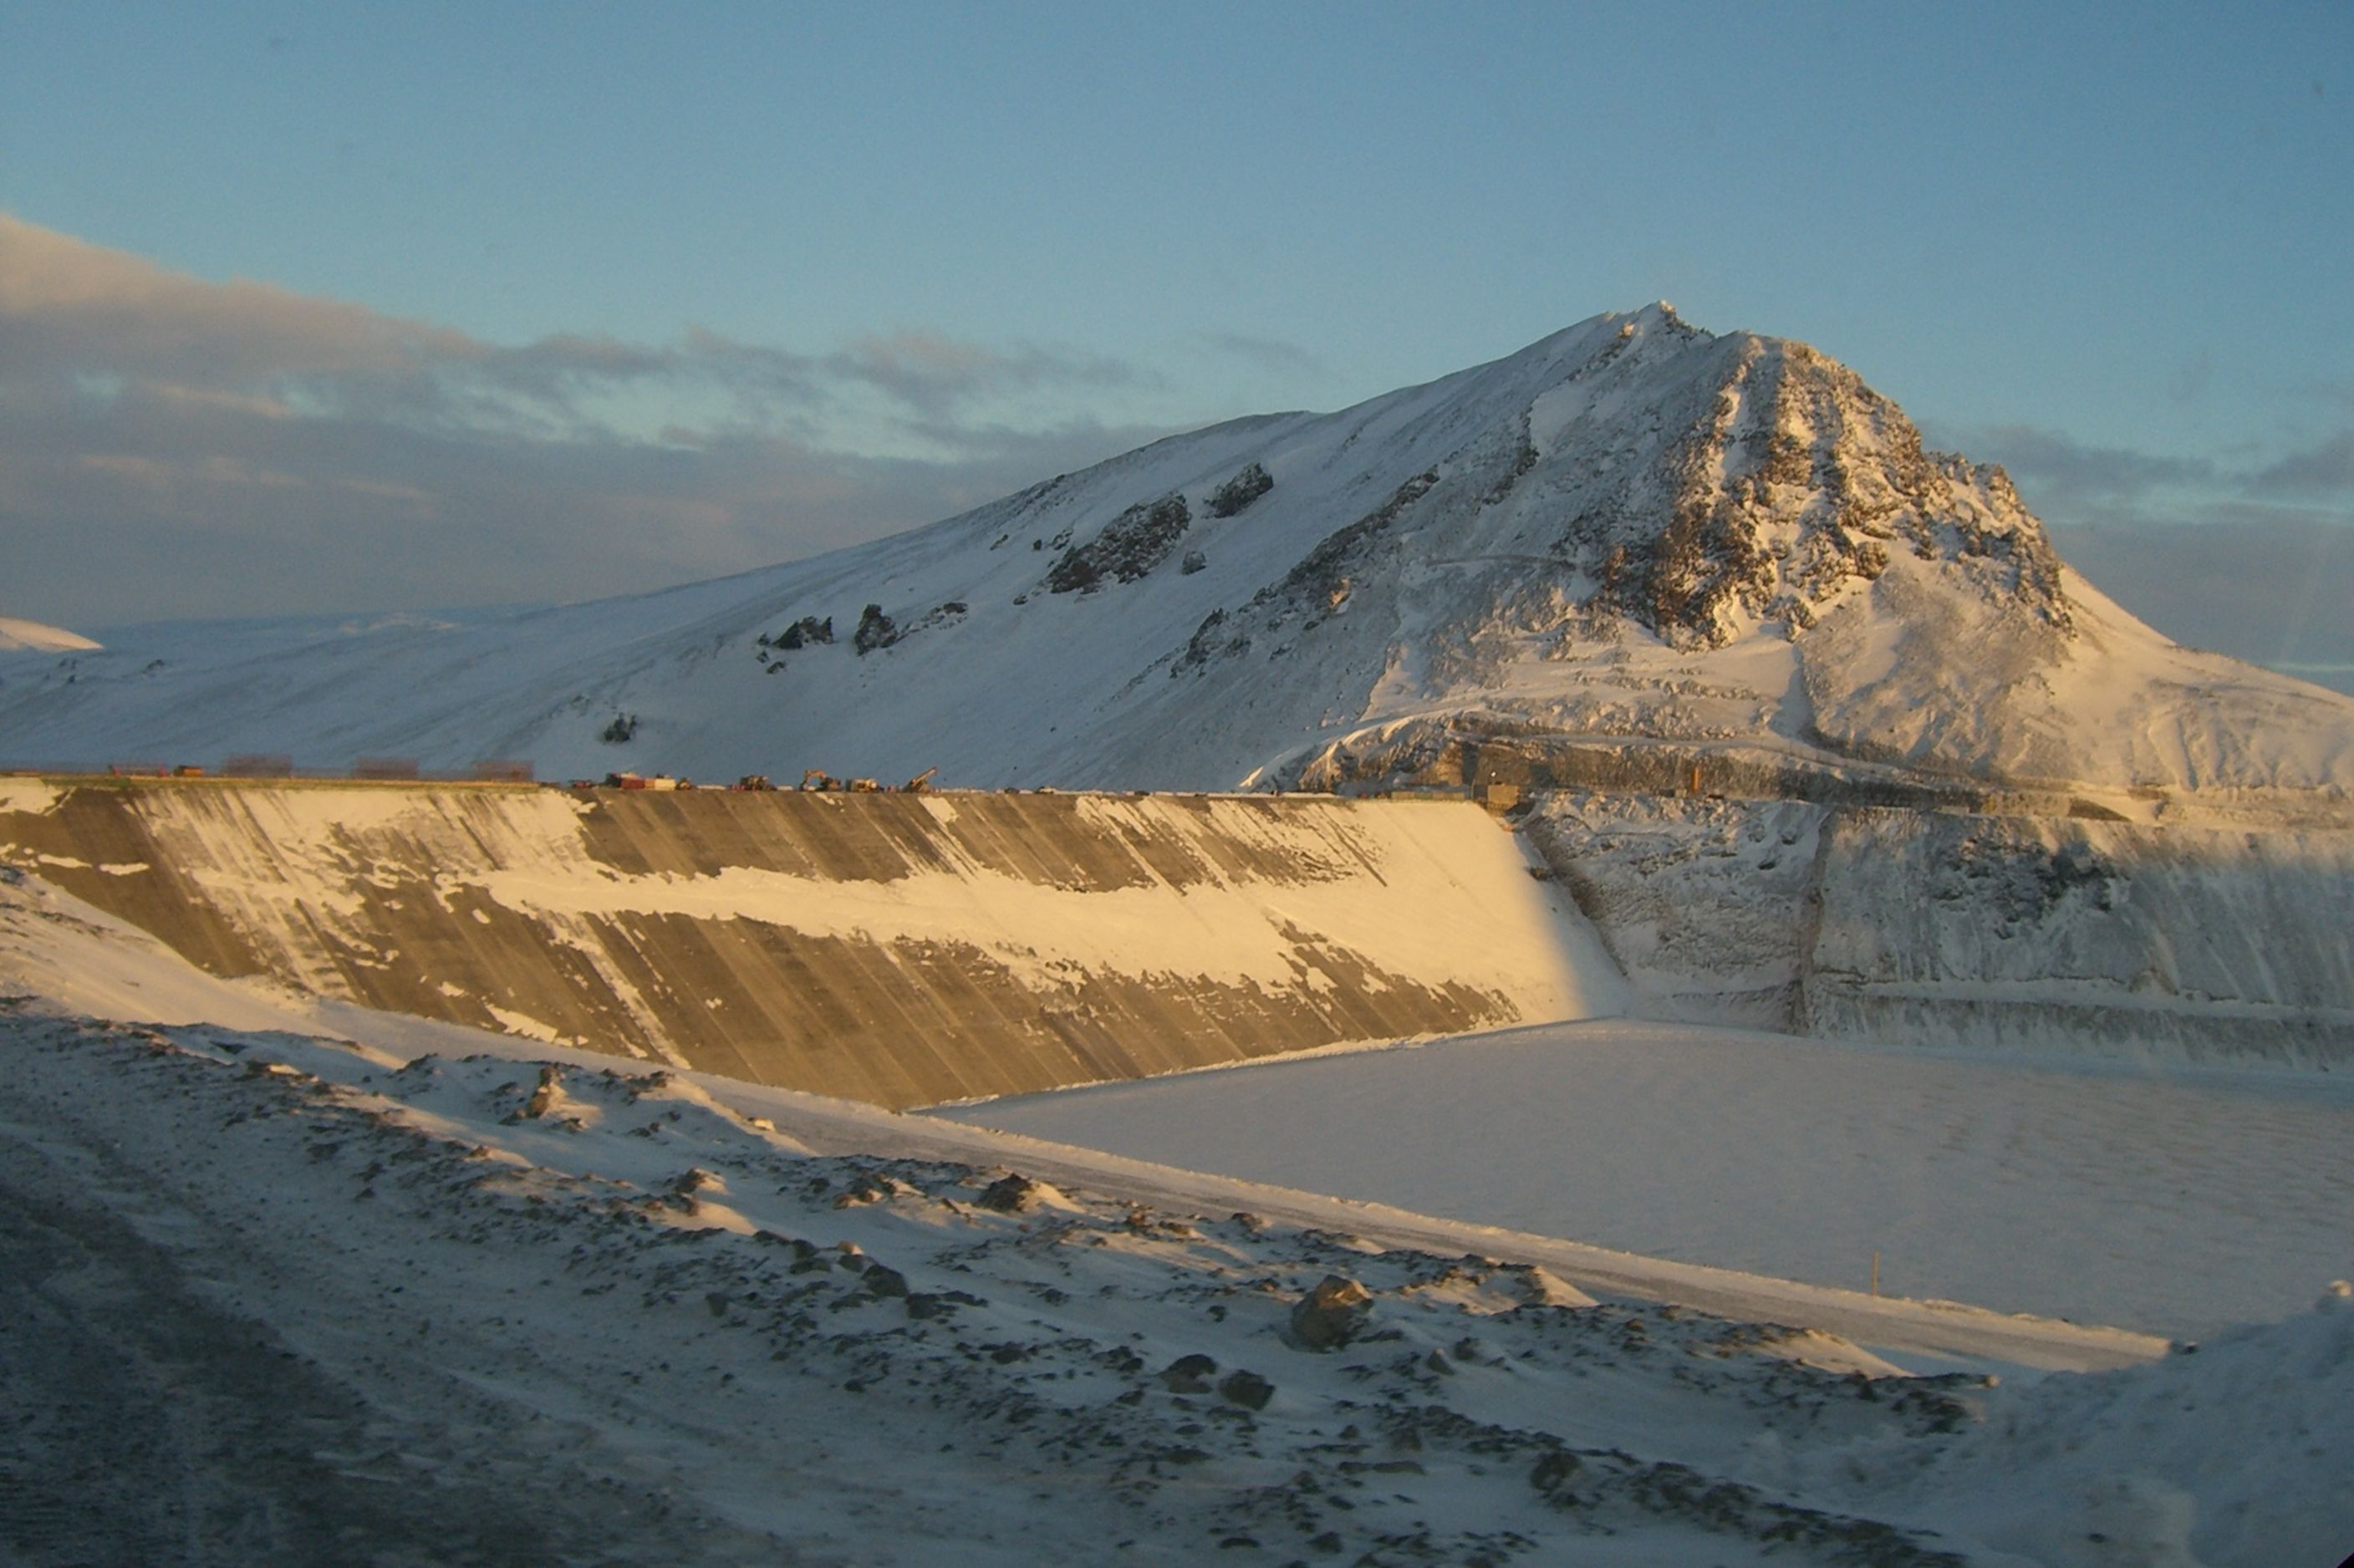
(275, 1297)
(1631, 528)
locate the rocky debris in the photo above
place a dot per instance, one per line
(1317, 586)
(807, 630)
(1246, 1389)
(696, 1179)
(873, 1187)
(1211, 639)
(1331, 1315)
(1325, 571)
(1239, 491)
(875, 631)
(1188, 1374)
(942, 614)
(619, 730)
(1523, 462)
(1013, 1193)
(1596, 1485)
(1131, 545)
(543, 1095)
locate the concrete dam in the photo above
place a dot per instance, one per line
(901, 950)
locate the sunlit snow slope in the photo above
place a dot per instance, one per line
(903, 949)
(31, 636)
(1631, 528)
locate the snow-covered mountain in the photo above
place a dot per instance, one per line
(1633, 528)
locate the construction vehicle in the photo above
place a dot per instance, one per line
(919, 783)
(819, 779)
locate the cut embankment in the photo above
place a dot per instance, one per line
(895, 948)
(2037, 934)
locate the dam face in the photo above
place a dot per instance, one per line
(901, 950)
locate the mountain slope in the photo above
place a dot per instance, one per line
(31, 636)
(1632, 528)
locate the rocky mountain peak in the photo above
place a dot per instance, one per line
(1702, 486)
(1790, 484)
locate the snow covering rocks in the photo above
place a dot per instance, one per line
(1239, 491)
(1131, 545)
(584, 1322)
(874, 631)
(1331, 1315)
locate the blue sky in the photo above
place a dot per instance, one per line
(911, 256)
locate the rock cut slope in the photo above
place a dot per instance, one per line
(1630, 529)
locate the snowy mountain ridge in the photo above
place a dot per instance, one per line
(1632, 528)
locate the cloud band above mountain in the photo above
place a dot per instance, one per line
(239, 448)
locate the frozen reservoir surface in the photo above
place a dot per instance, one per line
(2170, 1199)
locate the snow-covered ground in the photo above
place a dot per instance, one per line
(278, 1296)
(2170, 1199)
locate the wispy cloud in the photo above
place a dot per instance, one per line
(2055, 466)
(2320, 470)
(1269, 352)
(2253, 558)
(175, 446)
(2069, 481)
